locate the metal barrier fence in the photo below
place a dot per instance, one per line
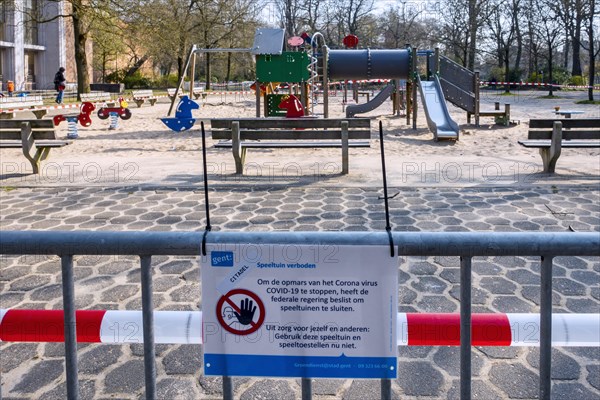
(453, 244)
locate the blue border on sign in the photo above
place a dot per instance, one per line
(300, 366)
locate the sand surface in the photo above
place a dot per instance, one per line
(142, 151)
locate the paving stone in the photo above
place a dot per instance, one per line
(126, 378)
(269, 390)
(87, 391)
(593, 376)
(500, 352)
(583, 306)
(176, 389)
(13, 355)
(189, 292)
(41, 374)
(589, 278)
(326, 387)
(532, 293)
(568, 287)
(419, 378)
(511, 304)
(572, 390)
(478, 296)
(176, 267)
(10, 300)
(94, 362)
(515, 380)
(479, 390)
(498, 285)
(120, 293)
(523, 277)
(486, 268)
(436, 304)
(30, 282)
(47, 293)
(365, 389)
(563, 366)
(448, 359)
(97, 282)
(429, 284)
(422, 268)
(186, 359)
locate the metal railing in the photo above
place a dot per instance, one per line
(459, 244)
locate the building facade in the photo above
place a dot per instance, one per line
(31, 51)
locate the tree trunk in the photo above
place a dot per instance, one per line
(472, 34)
(228, 74)
(137, 65)
(81, 62)
(576, 70)
(550, 61)
(567, 49)
(208, 71)
(592, 68)
(506, 70)
(519, 47)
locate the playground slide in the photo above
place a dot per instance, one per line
(375, 102)
(438, 118)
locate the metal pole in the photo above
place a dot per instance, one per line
(180, 83)
(306, 389)
(148, 327)
(386, 389)
(325, 82)
(192, 75)
(227, 388)
(546, 328)
(465, 328)
(68, 288)
(414, 89)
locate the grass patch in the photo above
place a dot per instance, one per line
(588, 102)
(8, 188)
(548, 97)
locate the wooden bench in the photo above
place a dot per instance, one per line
(97, 97)
(36, 137)
(141, 96)
(243, 133)
(500, 117)
(9, 106)
(197, 93)
(551, 135)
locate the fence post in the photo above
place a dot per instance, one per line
(148, 327)
(465, 328)
(306, 389)
(68, 288)
(546, 328)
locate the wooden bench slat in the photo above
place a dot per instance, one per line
(570, 143)
(289, 123)
(566, 134)
(35, 123)
(293, 145)
(292, 135)
(37, 134)
(566, 123)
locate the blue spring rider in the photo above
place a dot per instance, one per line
(183, 119)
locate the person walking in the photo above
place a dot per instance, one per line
(59, 84)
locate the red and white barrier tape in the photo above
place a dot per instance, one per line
(413, 329)
(483, 83)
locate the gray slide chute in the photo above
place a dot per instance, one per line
(375, 102)
(438, 118)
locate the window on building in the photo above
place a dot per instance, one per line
(30, 69)
(2, 19)
(31, 16)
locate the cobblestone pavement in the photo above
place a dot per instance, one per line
(508, 284)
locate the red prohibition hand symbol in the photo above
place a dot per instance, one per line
(244, 313)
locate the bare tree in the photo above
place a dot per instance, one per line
(550, 30)
(502, 30)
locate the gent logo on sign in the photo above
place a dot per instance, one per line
(221, 259)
